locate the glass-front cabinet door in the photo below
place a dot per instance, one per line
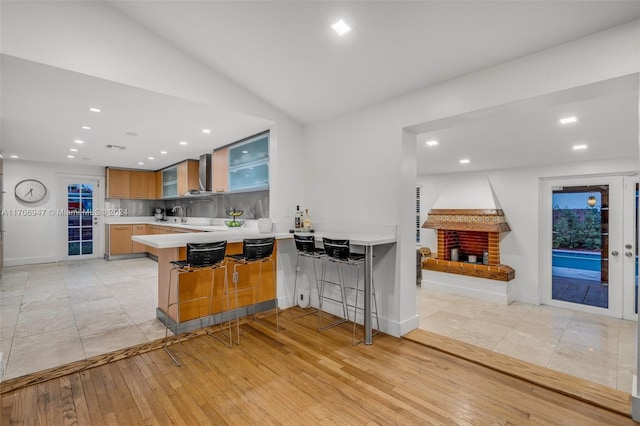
(170, 182)
(249, 164)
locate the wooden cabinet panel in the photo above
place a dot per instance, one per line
(197, 284)
(188, 176)
(158, 184)
(118, 183)
(138, 229)
(220, 164)
(120, 239)
(142, 185)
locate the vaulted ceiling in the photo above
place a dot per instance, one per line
(287, 54)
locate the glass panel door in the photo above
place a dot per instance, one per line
(81, 215)
(583, 240)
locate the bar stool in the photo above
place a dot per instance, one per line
(254, 251)
(339, 252)
(200, 257)
(306, 248)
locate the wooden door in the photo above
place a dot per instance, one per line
(120, 239)
(221, 170)
(138, 229)
(118, 183)
(142, 185)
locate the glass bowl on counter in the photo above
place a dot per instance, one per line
(234, 223)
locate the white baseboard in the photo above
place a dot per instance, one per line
(30, 261)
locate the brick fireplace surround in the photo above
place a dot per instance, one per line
(472, 232)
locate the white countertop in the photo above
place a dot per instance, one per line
(357, 239)
(180, 240)
(216, 231)
(236, 236)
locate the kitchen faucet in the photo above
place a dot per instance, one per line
(181, 215)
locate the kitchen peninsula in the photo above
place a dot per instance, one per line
(196, 315)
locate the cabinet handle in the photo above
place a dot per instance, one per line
(120, 227)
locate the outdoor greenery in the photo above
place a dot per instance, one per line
(576, 229)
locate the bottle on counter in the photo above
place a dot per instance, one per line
(297, 219)
(306, 220)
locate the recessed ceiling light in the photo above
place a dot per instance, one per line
(341, 27)
(86, 127)
(140, 163)
(568, 120)
(163, 152)
(207, 131)
(94, 109)
(183, 142)
(78, 141)
(13, 156)
(465, 161)
(432, 143)
(149, 158)
(245, 152)
(579, 147)
(73, 150)
(70, 156)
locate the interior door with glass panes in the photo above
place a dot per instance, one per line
(81, 217)
(589, 233)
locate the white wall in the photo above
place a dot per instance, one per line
(518, 192)
(359, 165)
(36, 239)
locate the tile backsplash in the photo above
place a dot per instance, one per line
(255, 205)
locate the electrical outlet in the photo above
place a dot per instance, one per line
(302, 297)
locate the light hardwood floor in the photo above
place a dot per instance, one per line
(299, 376)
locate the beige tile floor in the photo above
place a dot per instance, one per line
(56, 313)
(593, 347)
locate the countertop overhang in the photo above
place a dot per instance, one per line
(236, 236)
(163, 241)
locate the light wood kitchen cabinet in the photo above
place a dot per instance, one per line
(131, 184)
(142, 185)
(158, 183)
(220, 164)
(120, 239)
(188, 176)
(118, 183)
(139, 229)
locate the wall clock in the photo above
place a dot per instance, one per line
(30, 191)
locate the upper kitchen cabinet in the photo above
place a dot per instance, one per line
(130, 184)
(221, 170)
(118, 183)
(179, 179)
(249, 164)
(142, 185)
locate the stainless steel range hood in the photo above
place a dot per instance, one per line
(205, 173)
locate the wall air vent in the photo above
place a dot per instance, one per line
(115, 147)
